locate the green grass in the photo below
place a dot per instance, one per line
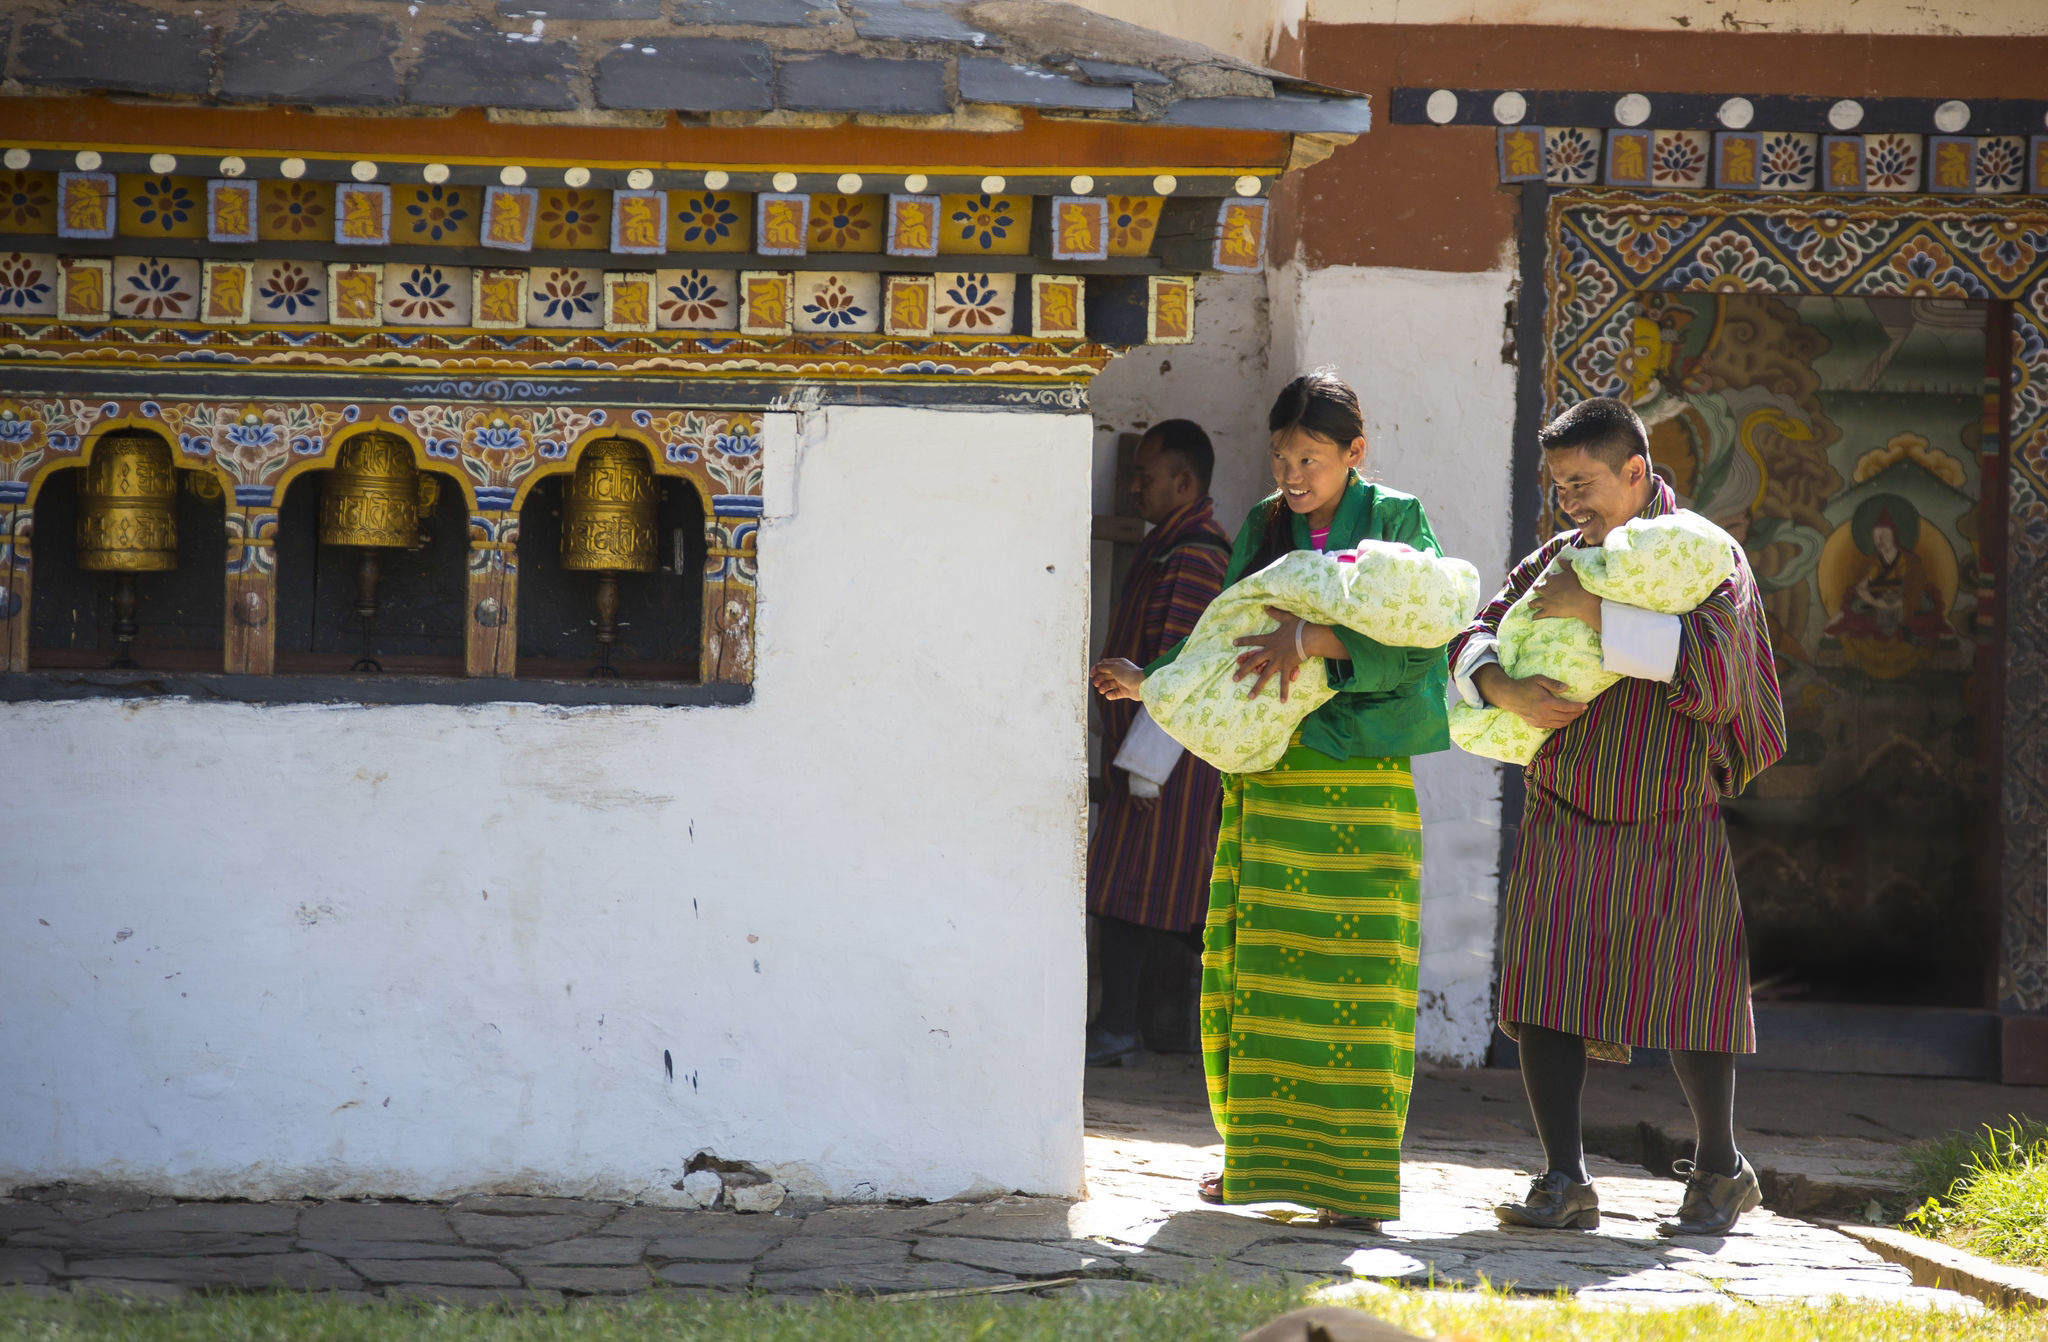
(1212, 1310)
(1937, 1165)
(1996, 1202)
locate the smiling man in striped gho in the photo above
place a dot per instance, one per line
(1622, 926)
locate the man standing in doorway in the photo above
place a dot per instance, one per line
(1621, 924)
(1155, 840)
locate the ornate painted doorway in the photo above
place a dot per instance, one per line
(1859, 389)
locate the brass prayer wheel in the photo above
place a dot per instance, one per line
(371, 498)
(608, 510)
(127, 508)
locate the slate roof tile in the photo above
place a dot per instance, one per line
(765, 13)
(843, 83)
(989, 79)
(552, 10)
(104, 44)
(477, 66)
(893, 20)
(688, 74)
(287, 57)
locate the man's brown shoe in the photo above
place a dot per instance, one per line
(1713, 1202)
(1554, 1203)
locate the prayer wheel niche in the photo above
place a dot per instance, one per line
(371, 500)
(608, 528)
(128, 521)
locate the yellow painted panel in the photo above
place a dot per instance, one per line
(710, 221)
(154, 206)
(980, 224)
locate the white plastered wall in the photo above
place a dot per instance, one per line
(267, 952)
(1423, 349)
(1964, 18)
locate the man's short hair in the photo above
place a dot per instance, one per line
(1185, 440)
(1601, 427)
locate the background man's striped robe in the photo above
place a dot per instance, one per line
(1622, 921)
(1153, 868)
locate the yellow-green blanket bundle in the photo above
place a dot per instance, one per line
(1667, 564)
(1386, 591)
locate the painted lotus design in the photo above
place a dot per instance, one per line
(155, 290)
(289, 289)
(297, 208)
(833, 305)
(437, 211)
(424, 295)
(22, 284)
(707, 218)
(564, 295)
(1677, 160)
(839, 221)
(1787, 164)
(164, 203)
(24, 200)
(972, 303)
(692, 299)
(572, 218)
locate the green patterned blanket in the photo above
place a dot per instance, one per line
(1385, 591)
(1668, 564)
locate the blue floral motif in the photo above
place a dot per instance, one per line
(643, 418)
(194, 444)
(15, 431)
(498, 436)
(151, 409)
(398, 412)
(738, 443)
(567, 295)
(685, 451)
(306, 445)
(446, 449)
(154, 290)
(64, 442)
(707, 218)
(349, 414)
(424, 294)
(988, 216)
(252, 435)
(289, 288)
(165, 203)
(437, 211)
(553, 449)
(971, 303)
(598, 416)
(1787, 163)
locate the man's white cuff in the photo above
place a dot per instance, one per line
(1637, 642)
(1479, 650)
(1148, 753)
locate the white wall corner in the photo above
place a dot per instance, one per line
(780, 453)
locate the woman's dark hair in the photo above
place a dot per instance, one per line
(1320, 403)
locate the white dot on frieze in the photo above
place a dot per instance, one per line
(293, 168)
(642, 178)
(576, 177)
(1164, 184)
(1846, 114)
(435, 173)
(849, 182)
(916, 182)
(1248, 185)
(785, 181)
(233, 166)
(163, 163)
(87, 160)
(1632, 109)
(1737, 113)
(993, 183)
(512, 175)
(1509, 108)
(363, 170)
(1441, 107)
(17, 159)
(714, 179)
(1082, 184)
(1951, 116)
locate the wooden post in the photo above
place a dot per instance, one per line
(491, 647)
(14, 587)
(249, 637)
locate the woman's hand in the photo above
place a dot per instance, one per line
(1536, 700)
(1561, 596)
(1273, 655)
(1117, 678)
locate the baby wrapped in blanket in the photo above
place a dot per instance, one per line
(1390, 593)
(1667, 564)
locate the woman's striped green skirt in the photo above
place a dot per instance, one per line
(1308, 981)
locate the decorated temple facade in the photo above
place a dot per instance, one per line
(544, 576)
(1808, 239)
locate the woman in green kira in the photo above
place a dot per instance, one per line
(1313, 934)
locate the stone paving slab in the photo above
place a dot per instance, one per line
(1141, 1228)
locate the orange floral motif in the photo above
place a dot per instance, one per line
(297, 209)
(839, 221)
(1131, 221)
(572, 218)
(25, 199)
